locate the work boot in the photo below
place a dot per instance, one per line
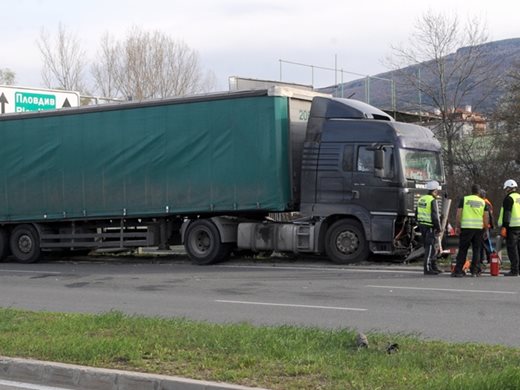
(436, 268)
(431, 272)
(511, 274)
(458, 274)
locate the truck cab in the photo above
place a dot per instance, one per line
(362, 173)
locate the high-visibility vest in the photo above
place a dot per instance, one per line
(472, 212)
(515, 211)
(424, 209)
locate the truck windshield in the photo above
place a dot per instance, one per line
(421, 165)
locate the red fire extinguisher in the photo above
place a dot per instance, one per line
(494, 267)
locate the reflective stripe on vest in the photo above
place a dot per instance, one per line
(424, 210)
(515, 211)
(472, 212)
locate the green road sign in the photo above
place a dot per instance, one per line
(27, 101)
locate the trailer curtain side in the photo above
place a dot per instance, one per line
(178, 158)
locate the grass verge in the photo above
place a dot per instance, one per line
(282, 357)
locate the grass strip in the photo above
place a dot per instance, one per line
(282, 357)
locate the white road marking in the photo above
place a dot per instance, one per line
(380, 271)
(444, 289)
(28, 386)
(30, 272)
(291, 305)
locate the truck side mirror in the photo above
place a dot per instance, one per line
(379, 162)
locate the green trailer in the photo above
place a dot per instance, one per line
(139, 160)
(127, 174)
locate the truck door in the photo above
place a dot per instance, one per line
(376, 192)
(335, 170)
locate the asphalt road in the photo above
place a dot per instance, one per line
(378, 297)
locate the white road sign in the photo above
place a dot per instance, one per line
(22, 99)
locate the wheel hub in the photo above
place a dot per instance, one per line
(347, 242)
(202, 241)
(25, 244)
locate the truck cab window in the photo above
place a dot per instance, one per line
(421, 165)
(348, 158)
(389, 163)
(365, 160)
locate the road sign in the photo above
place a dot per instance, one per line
(22, 99)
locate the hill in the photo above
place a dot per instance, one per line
(503, 54)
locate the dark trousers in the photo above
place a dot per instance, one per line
(485, 250)
(513, 248)
(469, 237)
(430, 254)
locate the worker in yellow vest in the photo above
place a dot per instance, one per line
(427, 213)
(509, 219)
(472, 218)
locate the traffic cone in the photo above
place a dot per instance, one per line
(466, 266)
(453, 265)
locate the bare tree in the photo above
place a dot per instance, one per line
(506, 132)
(452, 66)
(508, 112)
(148, 65)
(7, 76)
(63, 60)
(105, 70)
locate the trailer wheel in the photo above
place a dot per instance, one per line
(345, 242)
(25, 244)
(203, 245)
(4, 244)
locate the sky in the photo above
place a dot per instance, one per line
(245, 38)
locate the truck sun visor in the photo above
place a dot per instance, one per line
(325, 108)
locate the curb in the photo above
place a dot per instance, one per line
(89, 378)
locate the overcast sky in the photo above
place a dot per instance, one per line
(245, 38)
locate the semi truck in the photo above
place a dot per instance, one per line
(275, 169)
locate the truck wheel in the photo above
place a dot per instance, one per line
(345, 242)
(202, 243)
(4, 244)
(25, 244)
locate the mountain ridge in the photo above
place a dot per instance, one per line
(504, 54)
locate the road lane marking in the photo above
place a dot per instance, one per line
(291, 305)
(31, 272)
(444, 289)
(27, 386)
(318, 268)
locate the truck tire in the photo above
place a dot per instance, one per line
(345, 242)
(203, 245)
(4, 244)
(25, 244)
